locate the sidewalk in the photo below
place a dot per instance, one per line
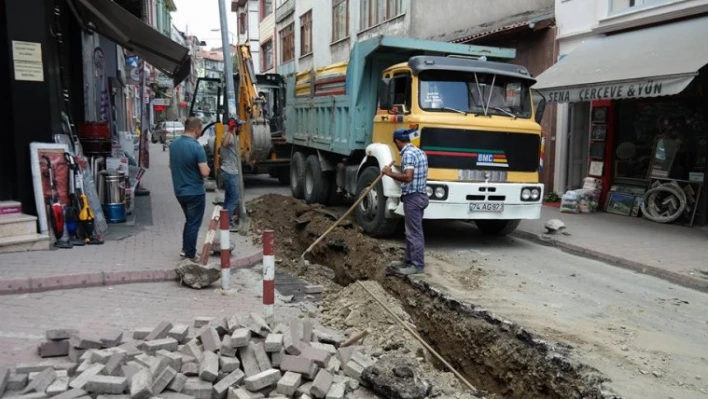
(675, 253)
(145, 251)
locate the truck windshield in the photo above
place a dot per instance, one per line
(479, 93)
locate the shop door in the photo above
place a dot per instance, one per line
(578, 145)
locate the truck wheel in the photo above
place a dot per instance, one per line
(497, 228)
(316, 182)
(371, 213)
(297, 175)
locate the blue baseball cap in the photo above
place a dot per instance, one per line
(401, 134)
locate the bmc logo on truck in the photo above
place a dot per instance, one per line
(494, 160)
(486, 158)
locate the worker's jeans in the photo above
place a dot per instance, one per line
(413, 207)
(230, 192)
(193, 208)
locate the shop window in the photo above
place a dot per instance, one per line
(287, 43)
(306, 33)
(374, 12)
(672, 131)
(340, 19)
(267, 51)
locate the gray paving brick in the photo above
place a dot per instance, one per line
(292, 338)
(85, 376)
(326, 347)
(190, 369)
(4, 377)
(333, 365)
(57, 334)
(353, 370)
(238, 393)
(75, 353)
(169, 344)
(202, 321)
(175, 359)
(41, 381)
(177, 383)
(160, 331)
(102, 384)
(221, 388)
(233, 323)
(321, 384)
(141, 385)
(241, 338)
(210, 340)
(274, 342)
(179, 332)
(336, 391)
(319, 356)
(17, 382)
(261, 356)
(307, 328)
(298, 364)
(34, 395)
(100, 356)
(248, 361)
(258, 325)
(83, 341)
(305, 388)
(262, 380)
(71, 394)
(276, 358)
(60, 385)
(227, 348)
(114, 363)
(197, 388)
(209, 368)
(163, 380)
(111, 339)
(344, 354)
(130, 369)
(175, 395)
(193, 349)
(289, 383)
(141, 333)
(229, 364)
(159, 363)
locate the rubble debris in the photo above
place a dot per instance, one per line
(396, 378)
(196, 276)
(313, 289)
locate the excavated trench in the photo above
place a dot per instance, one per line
(496, 355)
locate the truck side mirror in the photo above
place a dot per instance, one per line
(540, 109)
(385, 94)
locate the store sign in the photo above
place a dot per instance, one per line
(618, 91)
(161, 102)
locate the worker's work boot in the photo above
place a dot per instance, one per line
(410, 269)
(398, 264)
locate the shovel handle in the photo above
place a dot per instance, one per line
(347, 213)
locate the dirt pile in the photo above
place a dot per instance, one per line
(351, 254)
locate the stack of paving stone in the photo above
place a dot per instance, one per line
(216, 359)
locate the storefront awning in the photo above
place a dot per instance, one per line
(651, 62)
(113, 21)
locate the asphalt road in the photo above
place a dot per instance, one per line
(650, 337)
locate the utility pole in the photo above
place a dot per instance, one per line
(231, 112)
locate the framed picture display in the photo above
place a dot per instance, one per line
(597, 150)
(596, 168)
(599, 115)
(599, 132)
(619, 203)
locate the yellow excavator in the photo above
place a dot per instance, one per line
(260, 104)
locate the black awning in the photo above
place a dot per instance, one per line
(113, 21)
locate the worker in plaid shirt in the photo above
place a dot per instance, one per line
(413, 179)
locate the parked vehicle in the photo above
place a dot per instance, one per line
(473, 117)
(167, 131)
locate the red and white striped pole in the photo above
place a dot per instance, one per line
(209, 239)
(268, 272)
(225, 249)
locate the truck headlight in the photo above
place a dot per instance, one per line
(429, 191)
(525, 194)
(439, 192)
(535, 194)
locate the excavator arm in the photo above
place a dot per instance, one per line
(255, 138)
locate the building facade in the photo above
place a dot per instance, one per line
(248, 18)
(630, 82)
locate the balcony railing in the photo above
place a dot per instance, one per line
(284, 10)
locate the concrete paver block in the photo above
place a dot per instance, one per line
(333, 365)
(179, 332)
(241, 337)
(198, 388)
(131, 350)
(57, 334)
(26, 368)
(209, 368)
(262, 380)
(292, 338)
(300, 365)
(221, 388)
(326, 347)
(41, 381)
(175, 395)
(102, 384)
(353, 370)
(336, 391)
(210, 340)
(190, 369)
(17, 382)
(130, 369)
(169, 344)
(158, 364)
(258, 325)
(174, 358)
(248, 361)
(261, 356)
(141, 385)
(100, 356)
(163, 380)
(53, 348)
(85, 342)
(34, 395)
(141, 333)
(192, 348)
(71, 394)
(233, 323)
(114, 363)
(111, 339)
(200, 322)
(307, 328)
(313, 289)
(229, 364)
(344, 354)
(304, 388)
(321, 384)
(4, 377)
(238, 393)
(75, 353)
(276, 358)
(227, 348)
(319, 356)
(274, 342)
(160, 331)
(177, 383)
(289, 383)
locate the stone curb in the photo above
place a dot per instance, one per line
(676, 278)
(96, 279)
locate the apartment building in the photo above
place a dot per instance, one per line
(248, 18)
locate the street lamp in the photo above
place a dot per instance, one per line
(231, 35)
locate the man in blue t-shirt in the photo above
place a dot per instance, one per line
(188, 164)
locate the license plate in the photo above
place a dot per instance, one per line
(486, 207)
